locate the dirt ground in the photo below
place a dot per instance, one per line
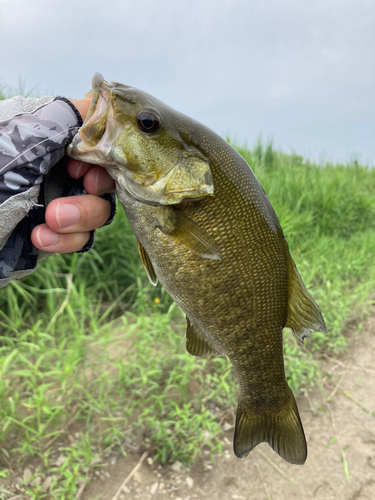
(339, 422)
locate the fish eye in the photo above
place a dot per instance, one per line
(148, 122)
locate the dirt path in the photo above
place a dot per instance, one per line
(339, 426)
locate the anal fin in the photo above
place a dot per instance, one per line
(304, 315)
(147, 264)
(196, 342)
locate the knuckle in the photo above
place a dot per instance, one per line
(95, 212)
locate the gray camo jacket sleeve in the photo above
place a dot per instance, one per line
(33, 136)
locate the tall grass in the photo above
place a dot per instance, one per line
(92, 357)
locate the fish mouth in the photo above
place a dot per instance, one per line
(85, 144)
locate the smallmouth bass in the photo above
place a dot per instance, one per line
(207, 231)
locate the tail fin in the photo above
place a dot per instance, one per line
(283, 431)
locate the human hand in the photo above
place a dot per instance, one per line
(69, 220)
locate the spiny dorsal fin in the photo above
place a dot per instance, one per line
(196, 342)
(304, 315)
(147, 263)
(282, 430)
(188, 233)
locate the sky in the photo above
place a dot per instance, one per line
(299, 72)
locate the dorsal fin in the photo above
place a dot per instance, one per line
(304, 315)
(196, 342)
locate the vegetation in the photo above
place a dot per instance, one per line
(7, 91)
(92, 357)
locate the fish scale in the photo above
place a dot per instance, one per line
(212, 239)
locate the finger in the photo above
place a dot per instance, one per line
(98, 181)
(44, 238)
(75, 214)
(77, 169)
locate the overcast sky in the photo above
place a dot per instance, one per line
(299, 71)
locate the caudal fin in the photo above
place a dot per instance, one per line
(283, 431)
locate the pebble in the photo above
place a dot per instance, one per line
(190, 482)
(60, 460)
(47, 483)
(137, 477)
(154, 488)
(96, 461)
(27, 474)
(177, 466)
(125, 489)
(227, 426)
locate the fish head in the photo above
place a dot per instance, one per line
(136, 138)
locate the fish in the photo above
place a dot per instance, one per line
(207, 231)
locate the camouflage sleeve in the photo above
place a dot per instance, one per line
(31, 143)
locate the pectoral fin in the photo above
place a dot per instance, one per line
(186, 232)
(304, 315)
(196, 342)
(147, 263)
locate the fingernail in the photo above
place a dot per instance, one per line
(67, 215)
(78, 170)
(46, 238)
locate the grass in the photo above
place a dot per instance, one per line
(7, 91)
(92, 357)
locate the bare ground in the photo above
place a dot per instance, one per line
(339, 421)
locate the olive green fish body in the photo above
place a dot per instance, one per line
(224, 260)
(238, 303)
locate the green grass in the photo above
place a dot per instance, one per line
(92, 357)
(7, 91)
